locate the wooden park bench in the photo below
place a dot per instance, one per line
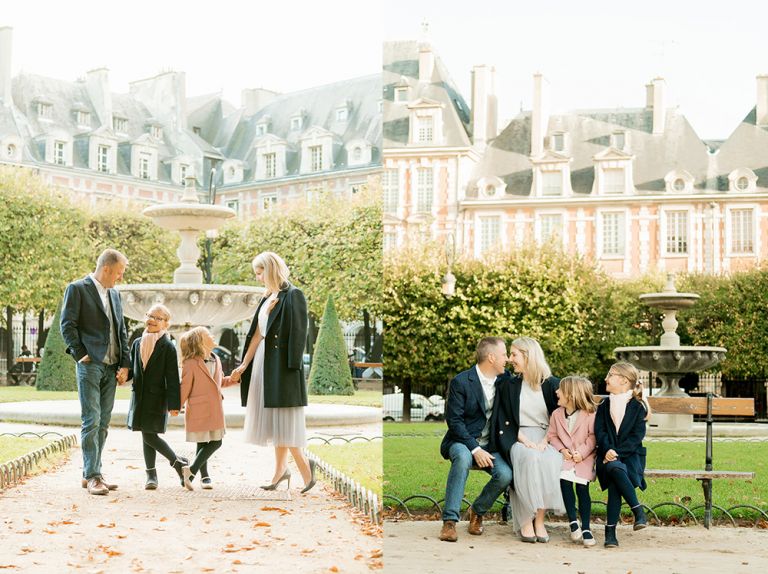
(711, 406)
(20, 376)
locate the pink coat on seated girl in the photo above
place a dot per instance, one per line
(582, 440)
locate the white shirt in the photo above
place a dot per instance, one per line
(112, 355)
(489, 391)
(533, 408)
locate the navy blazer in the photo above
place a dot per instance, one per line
(465, 411)
(85, 326)
(505, 419)
(628, 442)
(284, 343)
(155, 389)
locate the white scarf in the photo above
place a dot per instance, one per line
(147, 345)
(618, 405)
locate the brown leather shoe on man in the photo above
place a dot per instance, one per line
(84, 484)
(475, 522)
(448, 532)
(96, 486)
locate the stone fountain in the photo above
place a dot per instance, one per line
(670, 361)
(191, 301)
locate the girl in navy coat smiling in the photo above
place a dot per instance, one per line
(619, 430)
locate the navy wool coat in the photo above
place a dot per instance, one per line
(284, 343)
(628, 442)
(155, 389)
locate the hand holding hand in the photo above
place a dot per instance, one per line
(85, 359)
(577, 457)
(483, 459)
(566, 454)
(122, 376)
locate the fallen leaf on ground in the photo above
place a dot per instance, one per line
(262, 525)
(110, 525)
(8, 566)
(334, 569)
(282, 511)
(308, 551)
(48, 531)
(163, 519)
(24, 531)
(109, 551)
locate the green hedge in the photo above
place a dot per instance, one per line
(57, 369)
(330, 374)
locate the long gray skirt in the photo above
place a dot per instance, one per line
(270, 427)
(537, 478)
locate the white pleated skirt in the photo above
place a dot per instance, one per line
(537, 478)
(270, 427)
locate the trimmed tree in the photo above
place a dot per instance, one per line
(57, 371)
(330, 373)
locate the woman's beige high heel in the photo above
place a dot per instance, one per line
(286, 476)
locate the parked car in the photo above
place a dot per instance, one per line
(421, 408)
(438, 401)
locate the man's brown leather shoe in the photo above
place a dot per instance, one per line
(84, 484)
(96, 486)
(475, 522)
(448, 532)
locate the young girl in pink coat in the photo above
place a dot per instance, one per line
(572, 432)
(201, 383)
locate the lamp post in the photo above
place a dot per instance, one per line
(448, 284)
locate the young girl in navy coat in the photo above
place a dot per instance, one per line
(155, 373)
(619, 430)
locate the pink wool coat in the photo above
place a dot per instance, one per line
(582, 441)
(202, 394)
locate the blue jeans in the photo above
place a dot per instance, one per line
(461, 463)
(96, 387)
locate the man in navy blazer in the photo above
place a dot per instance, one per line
(471, 396)
(93, 328)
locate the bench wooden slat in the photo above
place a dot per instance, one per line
(721, 406)
(699, 474)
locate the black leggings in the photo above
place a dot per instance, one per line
(204, 452)
(619, 486)
(154, 444)
(569, 498)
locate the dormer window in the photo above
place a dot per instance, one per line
(552, 183)
(120, 125)
(102, 159)
(679, 181)
(558, 141)
(183, 173)
(197, 130)
(83, 118)
(614, 181)
(316, 157)
(296, 123)
(157, 132)
(59, 148)
(678, 184)
(742, 183)
(341, 114)
(742, 180)
(619, 140)
(401, 94)
(261, 129)
(44, 110)
(144, 160)
(425, 129)
(357, 154)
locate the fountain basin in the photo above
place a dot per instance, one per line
(662, 359)
(667, 301)
(192, 304)
(189, 216)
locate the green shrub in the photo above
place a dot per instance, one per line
(57, 369)
(330, 374)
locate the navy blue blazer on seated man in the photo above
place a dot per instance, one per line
(85, 325)
(467, 413)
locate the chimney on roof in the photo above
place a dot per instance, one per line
(97, 85)
(762, 100)
(165, 96)
(484, 113)
(539, 114)
(6, 44)
(426, 63)
(654, 100)
(255, 99)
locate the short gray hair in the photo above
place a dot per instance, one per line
(109, 258)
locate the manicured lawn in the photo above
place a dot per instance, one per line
(18, 394)
(413, 465)
(360, 461)
(13, 447)
(360, 398)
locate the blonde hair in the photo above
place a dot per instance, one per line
(163, 310)
(276, 272)
(630, 372)
(536, 368)
(192, 343)
(579, 391)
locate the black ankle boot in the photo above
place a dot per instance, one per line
(641, 520)
(151, 483)
(610, 537)
(178, 465)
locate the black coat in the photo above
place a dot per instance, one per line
(465, 411)
(284, 343)
(628, 442)
(85, 326)
(505, 419)
(155, 389)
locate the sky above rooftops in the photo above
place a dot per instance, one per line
(600, 54)
(227, 45)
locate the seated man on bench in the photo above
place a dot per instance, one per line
(471, 397)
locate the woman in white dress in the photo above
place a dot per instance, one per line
(273, 388)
